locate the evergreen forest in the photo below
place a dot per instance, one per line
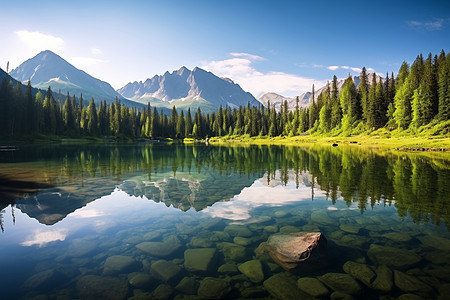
(417, 97)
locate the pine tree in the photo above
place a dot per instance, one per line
(188, 123)
(218, 129)
(39, 104)
(349, 103)
(239, 126)
(444, 87)
(379, 106)
(372, 103)
(30, 110)
(312, 109)
(155, 125)
(415, 107)
(325, 111)
(363, 94)
(428, 97)
(91, 114)
(336, 113)
(49, 111)
(181, 126)
(68, 116)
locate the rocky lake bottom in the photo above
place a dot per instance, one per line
(374, 255)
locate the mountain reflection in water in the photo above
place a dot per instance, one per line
(48, 183)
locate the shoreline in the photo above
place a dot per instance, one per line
(402, 143)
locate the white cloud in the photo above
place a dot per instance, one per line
(335, 68)
(246, 55)
(239, 68)
(84, 62)
(96, 51)
(434, 25)
(41, 238)
(38, 41)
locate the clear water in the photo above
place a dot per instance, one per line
(76, 218)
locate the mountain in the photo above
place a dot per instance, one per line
(3, 75)
(304, 99)
(183, 88)
(278, 100)
(48, 69)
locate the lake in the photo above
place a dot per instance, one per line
(162, 221)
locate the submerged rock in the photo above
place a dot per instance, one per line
(397, 237)
(96, 287)
(238, 230)
(409, 297)
(81, 247)
(254, 292)
(214, 288)
(242, 241)
(392, 257)
(234, 252)
(361, 272)
(293, 249)
(167, 271)
(322, 218)
(350, 228)
(142, 281)
(200, 260)
(43, 280)
(341, 282)
(253, 269)
(312, 286)
(161, 249)
(197, 242)
(435, 242)
(283, 286)
(228, 268)
(384, 281)
(119, 264)
(341, 296)
(163, 292)
(188, 285)
(411, 284)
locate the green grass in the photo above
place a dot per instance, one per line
(434, 135)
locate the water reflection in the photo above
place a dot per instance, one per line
(48, 183)
(100, 218)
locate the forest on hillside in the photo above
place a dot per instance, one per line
(418, 96)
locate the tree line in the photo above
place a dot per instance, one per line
(419, 95)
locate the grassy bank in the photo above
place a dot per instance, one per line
(379, 139)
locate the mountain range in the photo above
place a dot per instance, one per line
(182, 88)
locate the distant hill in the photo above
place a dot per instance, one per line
(185, 88)
(48, 69)
(305, 99)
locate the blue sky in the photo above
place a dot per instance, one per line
(265, 46)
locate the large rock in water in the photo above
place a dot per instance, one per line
(292, 249)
